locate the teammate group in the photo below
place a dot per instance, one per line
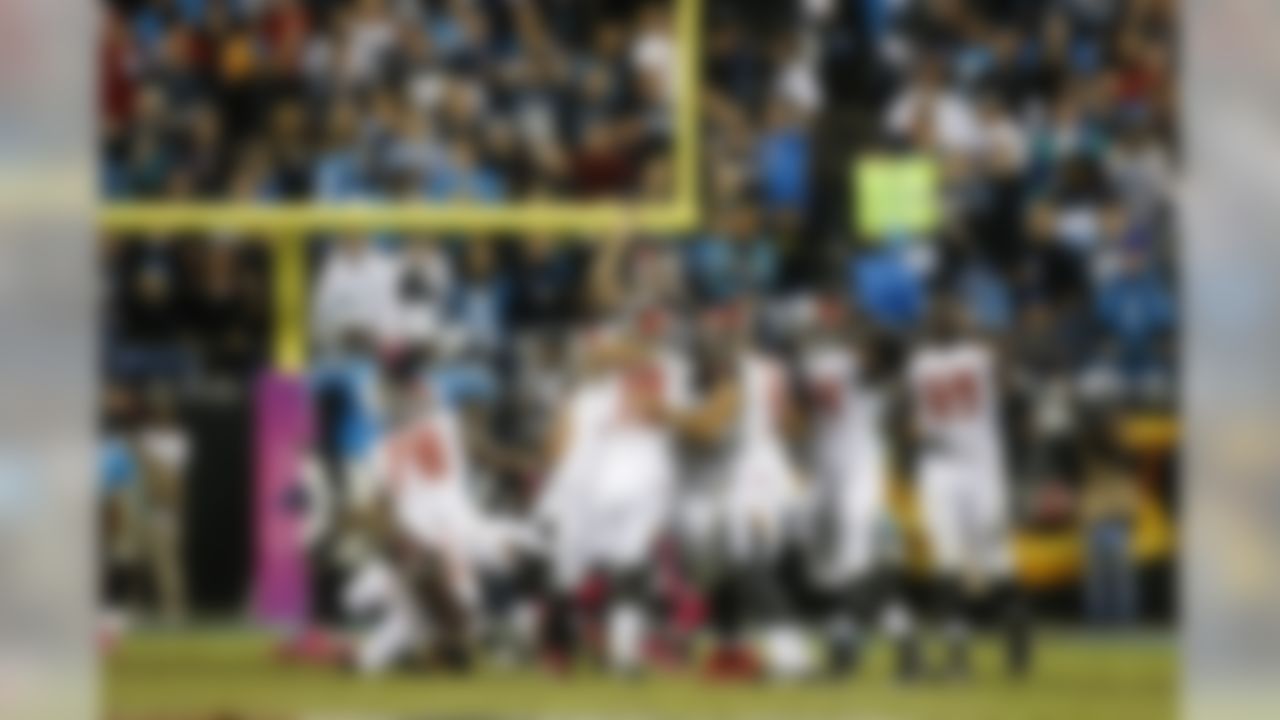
(693, 472)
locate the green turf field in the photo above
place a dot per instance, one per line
(224, 675)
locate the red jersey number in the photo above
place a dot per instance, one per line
(951, 397)
(830, 396)
(424, 452)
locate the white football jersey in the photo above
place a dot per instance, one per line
(758, 495)
(955, 397)
(665, 376)
(638, 453)
(423, 470)
(590, 407)
(764, 392)
(846, 413)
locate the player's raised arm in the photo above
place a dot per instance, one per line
(368, 509)
(606, 283)
(560, 452)
(556, 443)
(487, 449)
(709, 420)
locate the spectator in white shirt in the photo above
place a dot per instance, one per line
(653, 52)
(164, 453)
(932, 115)
(355, 293)
(370, 32)
(424, 281)
(1142, 170)
(1000, 139)
(796, 79)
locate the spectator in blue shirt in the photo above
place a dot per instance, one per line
(346, 387)
(887, 287)
(463, 177)
(479, 302)
(463, 382)
(1136, 311)
(338, 171)
(735, 257)
(783, 161)
(117, 466)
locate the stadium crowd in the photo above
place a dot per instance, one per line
(1052, 124)
(447, 100)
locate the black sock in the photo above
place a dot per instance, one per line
(727, 609)
(1015, 618)
(859, 603)
(893, 584)
(843, 635)
(558, 629)
(952, 614)
(766, 603)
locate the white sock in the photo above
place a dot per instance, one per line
(389, 641)
(373, 584)
(897, 621)
(376, 587)
(524, 624)
(625, 635)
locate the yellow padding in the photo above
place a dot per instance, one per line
(1156, 432)
(274, 219)
(1047, 559)
(290, 317)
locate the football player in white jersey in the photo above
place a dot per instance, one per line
(741, 416)
(611, 489)
(421, 588)
(843, 381)
(639, 473)
(954, 385)
(609, 494)
(562, 509)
